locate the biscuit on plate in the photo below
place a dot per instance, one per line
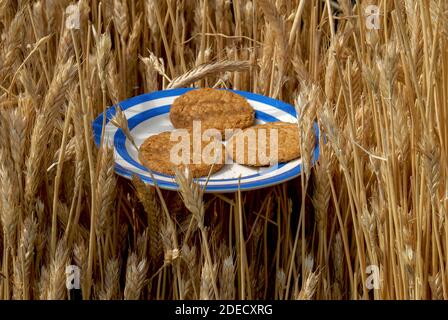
(159, 153)
(218, 109)
(245, 146)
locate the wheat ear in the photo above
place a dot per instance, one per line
(135, 277)
(204, 70)
(120, 121)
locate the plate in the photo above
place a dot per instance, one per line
(148, 114)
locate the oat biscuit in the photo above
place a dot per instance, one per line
(287, 145)
(156, 154)
(219, 109)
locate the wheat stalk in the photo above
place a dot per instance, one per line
(26, 255)
(192, 194)
(43, 128)
(105, 189)
(147, 197)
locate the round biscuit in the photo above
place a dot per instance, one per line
(244, 146)
(218, 109)
(155, 154)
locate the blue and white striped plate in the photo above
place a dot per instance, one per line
(148, 114)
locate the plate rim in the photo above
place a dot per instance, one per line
(145, 97)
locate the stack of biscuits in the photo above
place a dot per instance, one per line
(218, 111)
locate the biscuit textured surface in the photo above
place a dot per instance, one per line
(219, 109)
(155, 154)
(246, 147)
